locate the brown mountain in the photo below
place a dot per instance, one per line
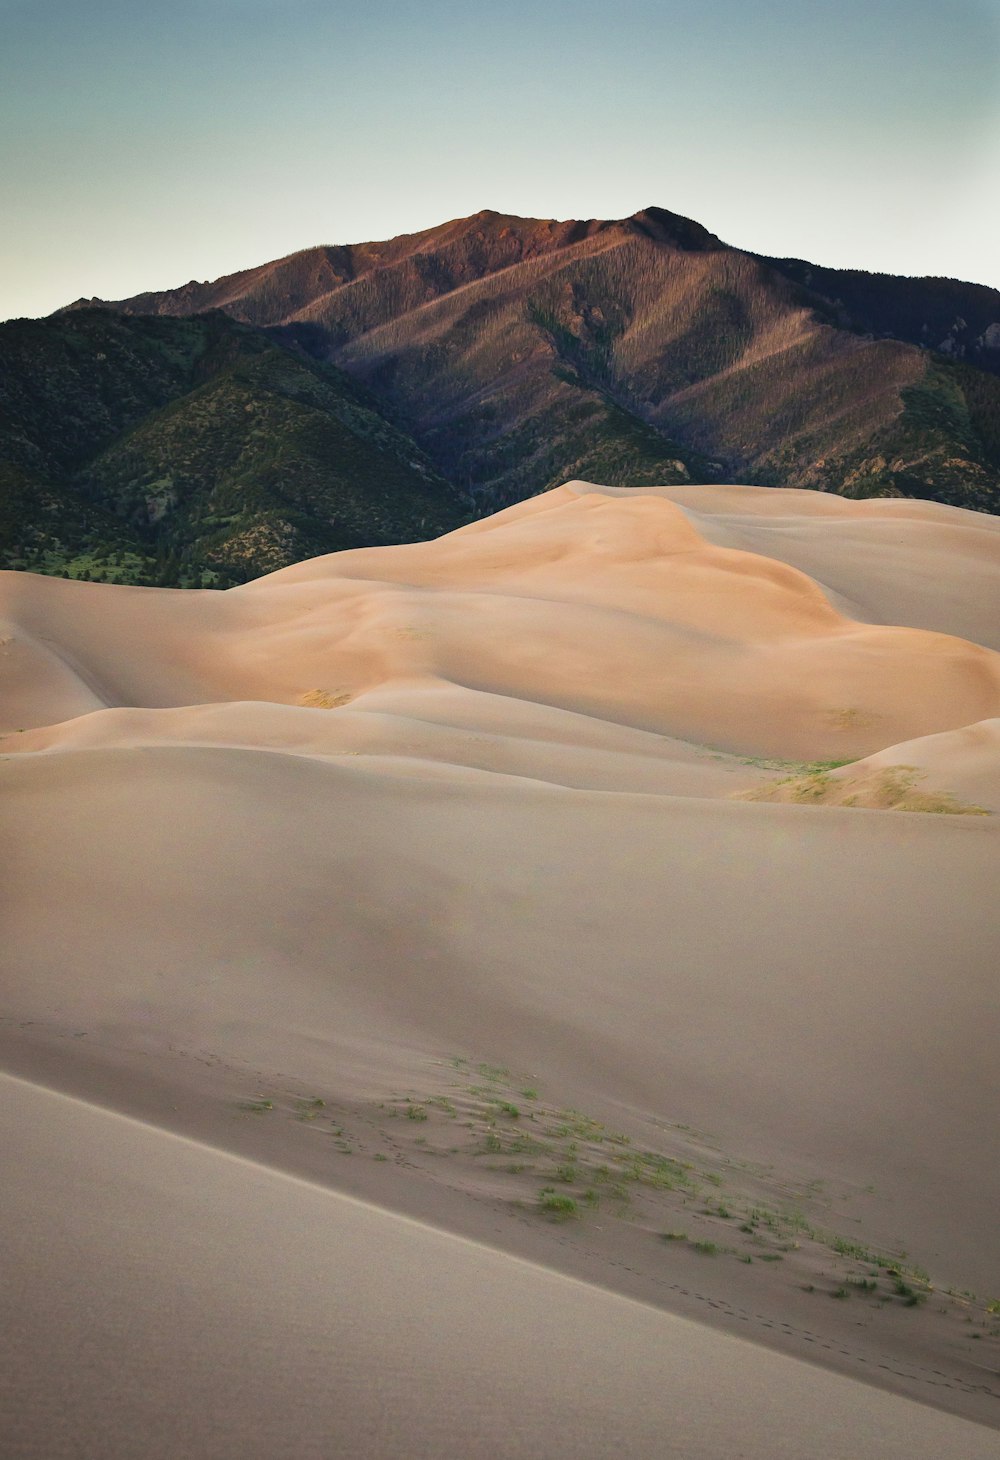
(520, 352)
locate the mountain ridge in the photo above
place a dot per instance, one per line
(373, 392)
(497, 329)
(653, 221)
(945, 293)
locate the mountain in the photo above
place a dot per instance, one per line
(958, 320)
(195, 452)
(520, 352)
(386, 392)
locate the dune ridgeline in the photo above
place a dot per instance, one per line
(435, 974)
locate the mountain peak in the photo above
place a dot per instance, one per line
(673, 228)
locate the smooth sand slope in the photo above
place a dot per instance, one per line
(145, 1326)
(338, 865)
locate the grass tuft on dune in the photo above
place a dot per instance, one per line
(893, 788)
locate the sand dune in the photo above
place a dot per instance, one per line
(883, 561)
(965, 763)
(954, 773)
(608, 605)
(194, 1273)
(290, 864)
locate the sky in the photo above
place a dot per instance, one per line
(144, 143)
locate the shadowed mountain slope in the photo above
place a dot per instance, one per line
(957, 319)
(521, 352)
(193, 452)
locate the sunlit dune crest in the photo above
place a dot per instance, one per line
(610, 605)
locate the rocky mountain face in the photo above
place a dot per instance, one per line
(379, 390)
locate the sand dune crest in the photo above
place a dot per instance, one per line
(603, 604)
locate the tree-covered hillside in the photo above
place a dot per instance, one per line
(194, 452)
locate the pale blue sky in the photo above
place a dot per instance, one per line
(144, 144)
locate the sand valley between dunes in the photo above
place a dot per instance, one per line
(531, 992)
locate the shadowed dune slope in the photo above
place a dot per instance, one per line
(379, 1337)
(705, 959)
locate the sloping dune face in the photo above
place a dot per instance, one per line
(511, 802)
(286, 1280)
(615, 606)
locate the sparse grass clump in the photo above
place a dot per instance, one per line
(557, 1206)
(324, 699)
(860, 1252)
(891, 788)
(909, 1295)
(586, 1167)
(493, 1072)
(793, 767)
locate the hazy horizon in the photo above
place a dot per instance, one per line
(147, 145)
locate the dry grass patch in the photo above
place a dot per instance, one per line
(894, 788)
(324, 699)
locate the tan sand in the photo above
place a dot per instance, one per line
(608, 605)
(202, 1305)
(515, 839)
(888, 560)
